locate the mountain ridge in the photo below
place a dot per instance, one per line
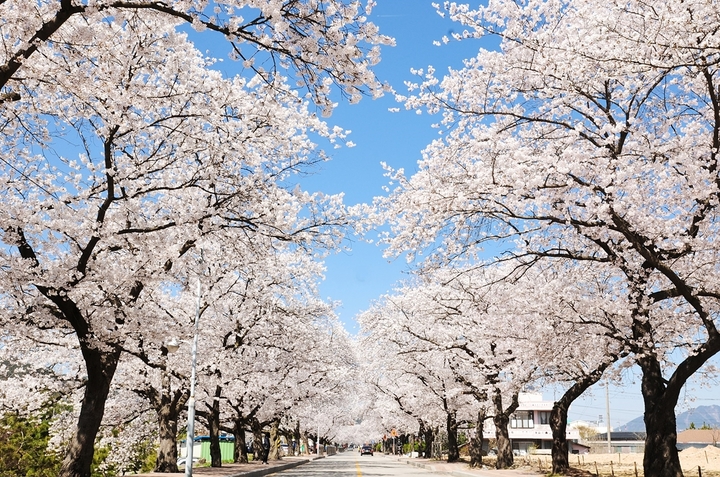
(699, 416)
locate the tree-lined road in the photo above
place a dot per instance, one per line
(351, 464)
(560, 230)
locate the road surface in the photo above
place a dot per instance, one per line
(352, 464)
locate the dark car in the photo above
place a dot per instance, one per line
(366, 449)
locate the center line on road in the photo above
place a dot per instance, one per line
(357, 466)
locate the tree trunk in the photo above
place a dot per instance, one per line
(452, 431)
(214, 429)
(167, 406)
(505, 457)
(559, 414)
(101, 366)
(560, 450)
(661, 455)
(501, 419)
(429, 436)
(167, 418)
(421, 437)
(305, 443)
(167, 450)
(256, 428)
(240, 455)
(475, 446)
(296, 439)
(660, 396)
(275, 440)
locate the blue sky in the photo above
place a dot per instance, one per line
(357, 277)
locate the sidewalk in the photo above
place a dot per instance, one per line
(251, 469)
(462, 469)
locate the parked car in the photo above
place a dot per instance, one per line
(181, 461)
(366, 449)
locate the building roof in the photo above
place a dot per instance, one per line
(621, 436)
(528, 401)
(699, 436)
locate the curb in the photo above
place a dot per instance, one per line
(434, 468)
(273, 469)
(431, 467)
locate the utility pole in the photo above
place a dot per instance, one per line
(607, 411)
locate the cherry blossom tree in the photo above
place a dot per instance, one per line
(279, 372)
(260, 318)
(482, 340)
(259, 314)
(158, 377)
(42, 371)
(110, 191)
(412, 344)
(323, 42)
(168, 402)
(559, 325)
(573, 329)
(589, 135)
(129, 432)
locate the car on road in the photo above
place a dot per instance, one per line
(366, 449)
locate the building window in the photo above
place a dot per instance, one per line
(544, 417)
(522, 420)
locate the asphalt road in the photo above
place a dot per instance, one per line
(352, 464)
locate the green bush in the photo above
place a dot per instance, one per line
(24, 446)
(417, 446)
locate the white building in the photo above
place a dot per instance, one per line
(529, 427)
(599, 426)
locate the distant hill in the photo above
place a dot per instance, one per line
(709, 415)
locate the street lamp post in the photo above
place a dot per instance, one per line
(191, 400)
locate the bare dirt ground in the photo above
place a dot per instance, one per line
(703, 462)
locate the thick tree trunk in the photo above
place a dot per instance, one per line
(452, 431)
(505, 458)
(167, 418)
(429, 436)
(560, 450)
(240, 455)
(101, 366)
(660, 396)
(305, 443)
(275, 440)
(167, 406)
(501, 419)
(558, 417)
(258, 451)
(214, 430)
(475, 446)
(661, 455)
(296, 439)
